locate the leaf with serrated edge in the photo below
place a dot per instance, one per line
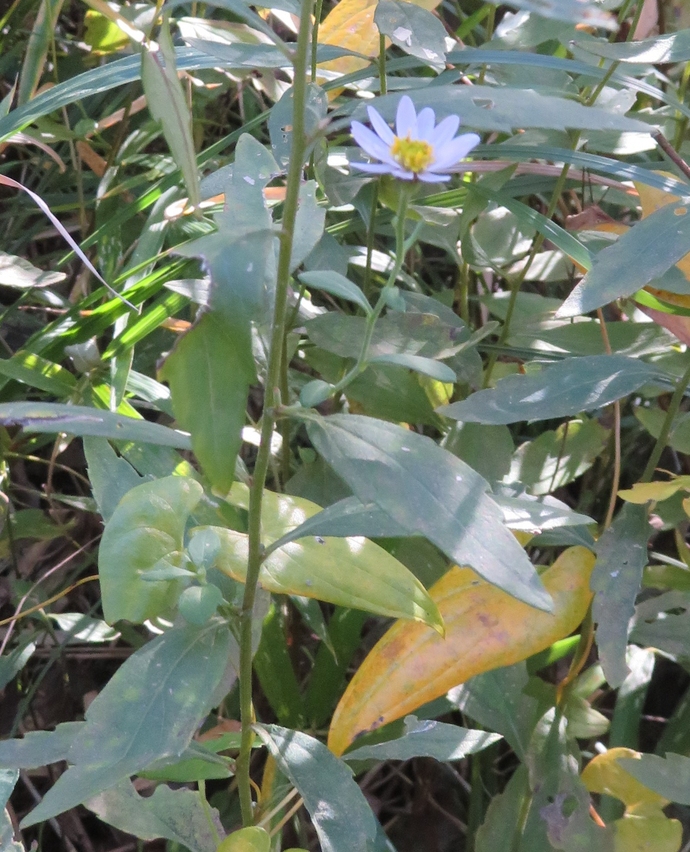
(485, 629)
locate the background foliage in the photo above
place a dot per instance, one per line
(337, 516)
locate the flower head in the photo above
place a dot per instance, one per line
(419, 149)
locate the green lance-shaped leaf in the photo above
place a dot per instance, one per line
(505, 108)
(616, 579)
(149, 710)
(337, 285)
(668, 48)
(52, 417)
(428, 492)
(669, 776)
(638, 257)
(167, 104)
(341, 815)
(559, 390)
(144, 534)
(574, 11)
(209, 372)
(427, 738)
(309, 224)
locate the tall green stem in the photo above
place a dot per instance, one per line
(673, 407)
(520, 277)
(301, 60)
(400, 250)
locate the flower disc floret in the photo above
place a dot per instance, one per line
(418, 149)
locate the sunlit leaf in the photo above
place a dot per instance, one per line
(50, 417)
(351, 572)
(485, 629)
(427, 491)
(145, 532)
(251, 839)
(427, 739)
(562, 389)
(166, 101)
(643, 492)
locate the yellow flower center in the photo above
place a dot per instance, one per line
(412, 154)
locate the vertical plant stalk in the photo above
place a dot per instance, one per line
(673, 407)
(615, 484)
(401, 248)
(383, 82)
(517, 282)
(294, 176)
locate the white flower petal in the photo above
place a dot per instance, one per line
(455, 150)
(406, 119)
(380, 126)
(402, 174)
(369, 142)
(430, 177)
(425, 124)
(373, 168)
(444, 131)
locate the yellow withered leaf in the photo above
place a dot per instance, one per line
(485, 629)
(644, 826)
(643, 492)
(603, 774)
(350, 25)
(653, 199)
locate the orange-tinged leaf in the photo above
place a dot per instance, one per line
(485, 629)
(653, 199)
(350, 25)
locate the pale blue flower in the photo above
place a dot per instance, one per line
(419, 149)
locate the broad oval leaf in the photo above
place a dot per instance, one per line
(145, 530)
(485, 629)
